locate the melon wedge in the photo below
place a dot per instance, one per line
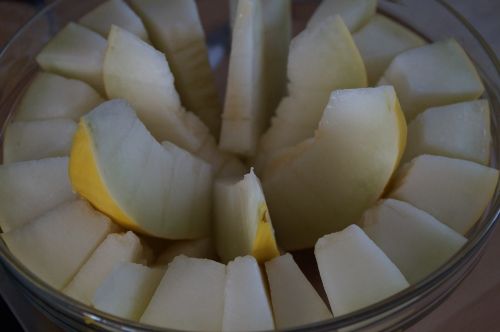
(355, 13)
(160, 190)
(242, 223)
(52, 96)
(55, 245)
(295, 301)
(190, 296)
(31, 188)
(199, 248)
(115, 249)
(325, 183)
(175, 29)
(433, 75)
(413, 239)
(32, 140)
(127, 290)
(75, 52)
(454, 191)
(354, 271)
(116, 12)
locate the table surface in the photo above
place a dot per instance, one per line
(475, 305)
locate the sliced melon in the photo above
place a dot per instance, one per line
(355, 13)
(199, 248)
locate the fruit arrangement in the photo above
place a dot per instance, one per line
(129, 186)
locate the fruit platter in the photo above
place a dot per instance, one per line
(275, 165)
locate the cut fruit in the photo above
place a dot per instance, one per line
(354, 271)
(413, 239)
(380, 40)
(456, 192)
(190, 296)
(127, 290)
(244, 117)
(326, 183)
(31, 188)
(295, 301)
(322, 59)
(52, 96)
(175, 28)
(55, 245)
(242, 222)
(457, 131)
(355, 13)
(75, 52)
(199, 248)
(136, 72)
(115, 249)
(32, 140)
(115, 12)
(433, 75)
(246, 305)
(118, 166)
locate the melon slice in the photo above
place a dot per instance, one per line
(199, 248)
(355, 13)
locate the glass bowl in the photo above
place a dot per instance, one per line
(433, 20)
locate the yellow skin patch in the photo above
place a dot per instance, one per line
(264, 246)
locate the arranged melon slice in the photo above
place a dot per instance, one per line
(115, 249)
(55, 245)
(322, 58)
(32, 140)
(413, 239)
(199, 248)
(326, 183)
(75, 52)
(454, 191)
(31, 188)
(190, 296)
(116, 12)
(52, 96)
(433, 75)
(458, 131)
(118, 166)
(246, 306)
(148, 85)
(127, 290)
(242, 222)
(354, 271)
(380, 40)
(355, 13)
(175, 29)
(295, 301)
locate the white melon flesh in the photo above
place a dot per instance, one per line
(246, 305)
(458, 131)
(52, 96)
(413, 239)
(325, 183)
(295, 301)
(354, 271)
(116, 12)
(115, 249)
(127, 290)
(242, 223)
(175, 29)
(75, 52)
(156, 189)
(433, 75)
(322, 59)
(32, 140)
(31, 188)
(380, 40)
(244, 117)
(454, 191)
(55, 245)
(199, 248)
(355, 13)
(148, 85)
(190, 296)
